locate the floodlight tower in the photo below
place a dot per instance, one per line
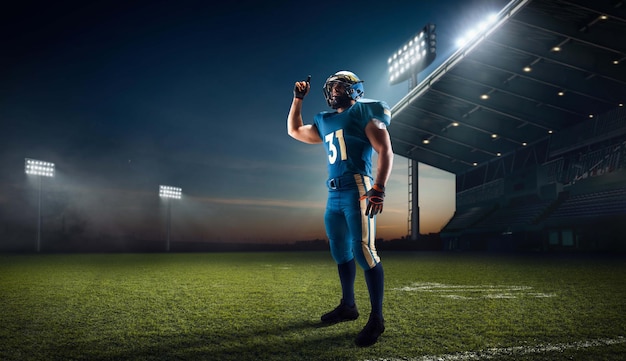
(404, 64)
(169, 193)
(39, 169)
(413, 57)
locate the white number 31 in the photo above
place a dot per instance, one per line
(332, 149)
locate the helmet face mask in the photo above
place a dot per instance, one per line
(342, 98)
(338, 94)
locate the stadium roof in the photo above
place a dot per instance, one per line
(544, 66)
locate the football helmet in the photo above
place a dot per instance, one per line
(351, 83)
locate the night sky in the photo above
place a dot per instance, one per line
(125, 96)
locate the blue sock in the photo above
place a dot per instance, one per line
(375, 280)
(347, 275)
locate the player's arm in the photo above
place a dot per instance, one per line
(295, 126)
(378, 136)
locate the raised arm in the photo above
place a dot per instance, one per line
(295, 126)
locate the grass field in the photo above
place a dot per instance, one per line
(266, 306)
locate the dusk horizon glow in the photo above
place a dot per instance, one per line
(124, 97)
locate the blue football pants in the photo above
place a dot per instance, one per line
(350, 232)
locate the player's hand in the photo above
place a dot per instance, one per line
(301, 89)
(375, 198)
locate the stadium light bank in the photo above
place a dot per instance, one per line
(413, 56)
(169, 193)
(40, 169)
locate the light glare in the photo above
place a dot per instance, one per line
(170, 192)
(479, 29)
(38, 167)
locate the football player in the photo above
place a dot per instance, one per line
(350, 132)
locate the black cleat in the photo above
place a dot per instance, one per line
(341, 313)
(369, 334)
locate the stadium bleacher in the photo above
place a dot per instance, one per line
(466, 218)
(515, 216)
(590, 206)
(589, 214)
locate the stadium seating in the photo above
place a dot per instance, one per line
(515, 216)
(465, 218)
(589, 206)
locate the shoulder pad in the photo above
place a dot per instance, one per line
(378, 109)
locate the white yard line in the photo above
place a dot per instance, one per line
(472, 292)
(511, 352)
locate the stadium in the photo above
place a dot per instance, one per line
(528, 115)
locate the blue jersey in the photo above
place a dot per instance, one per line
(348, 148)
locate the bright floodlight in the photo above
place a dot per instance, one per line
(414, 56)
(38, 167)
(170, 192)
(41, 169)
(477, 30)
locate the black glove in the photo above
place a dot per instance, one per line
(301, 89)
(375, 198)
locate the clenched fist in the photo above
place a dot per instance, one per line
(301, 89)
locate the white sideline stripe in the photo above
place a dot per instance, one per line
(511, 351)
